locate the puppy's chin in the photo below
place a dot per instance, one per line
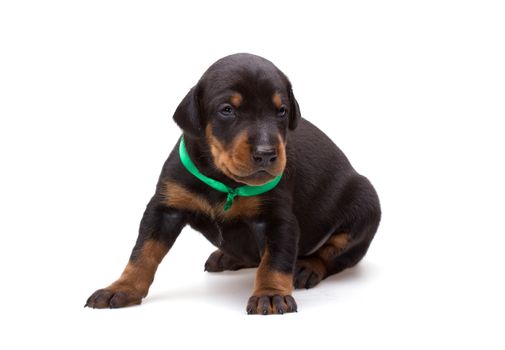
(257, 178)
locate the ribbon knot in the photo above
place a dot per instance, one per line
(232, 193)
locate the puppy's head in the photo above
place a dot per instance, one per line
(242, 107)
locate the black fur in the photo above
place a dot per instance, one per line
(320, 193)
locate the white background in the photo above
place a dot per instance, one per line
(412, 92)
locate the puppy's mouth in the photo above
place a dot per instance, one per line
(256, 178)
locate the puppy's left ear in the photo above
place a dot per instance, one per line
(294, 110)
(187, 114)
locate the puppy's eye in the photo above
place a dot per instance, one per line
(282, 112)
(226, 110)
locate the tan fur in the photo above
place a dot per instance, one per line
(321, 259)
(236, 100)
(333, 247)
(235, 160)
(281, 156)
(269, 282)
(339, 241)
(276, 99)
(240, 154)
(242, 207)
(179, 197)
(138, 275)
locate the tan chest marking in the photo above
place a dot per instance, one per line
(179, 197)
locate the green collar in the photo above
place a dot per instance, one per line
(245, 191)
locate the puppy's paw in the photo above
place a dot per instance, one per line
(308, 273)
(267, 305)
(219, 261)
(114, 297)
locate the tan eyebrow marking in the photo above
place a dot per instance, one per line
(236, 100)
(276, 99)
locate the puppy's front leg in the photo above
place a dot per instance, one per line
(274, 278)
(158, 231)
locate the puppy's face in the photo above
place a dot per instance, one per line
(247, 122)
(244, 108)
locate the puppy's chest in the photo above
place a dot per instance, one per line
(180, 197)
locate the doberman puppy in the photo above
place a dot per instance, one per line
(265, 186)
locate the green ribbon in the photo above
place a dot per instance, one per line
(231, 193)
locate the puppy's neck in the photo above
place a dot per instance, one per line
(199, 152)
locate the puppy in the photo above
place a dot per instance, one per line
(265, 186)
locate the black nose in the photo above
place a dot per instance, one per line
(264, 155)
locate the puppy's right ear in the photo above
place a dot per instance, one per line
(187, 114)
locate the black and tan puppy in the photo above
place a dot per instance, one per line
(313, 215)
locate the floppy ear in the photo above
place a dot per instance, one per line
(187, 114)
(294, 110)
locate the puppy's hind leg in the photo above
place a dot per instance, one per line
(310, 270)
(361, 210)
